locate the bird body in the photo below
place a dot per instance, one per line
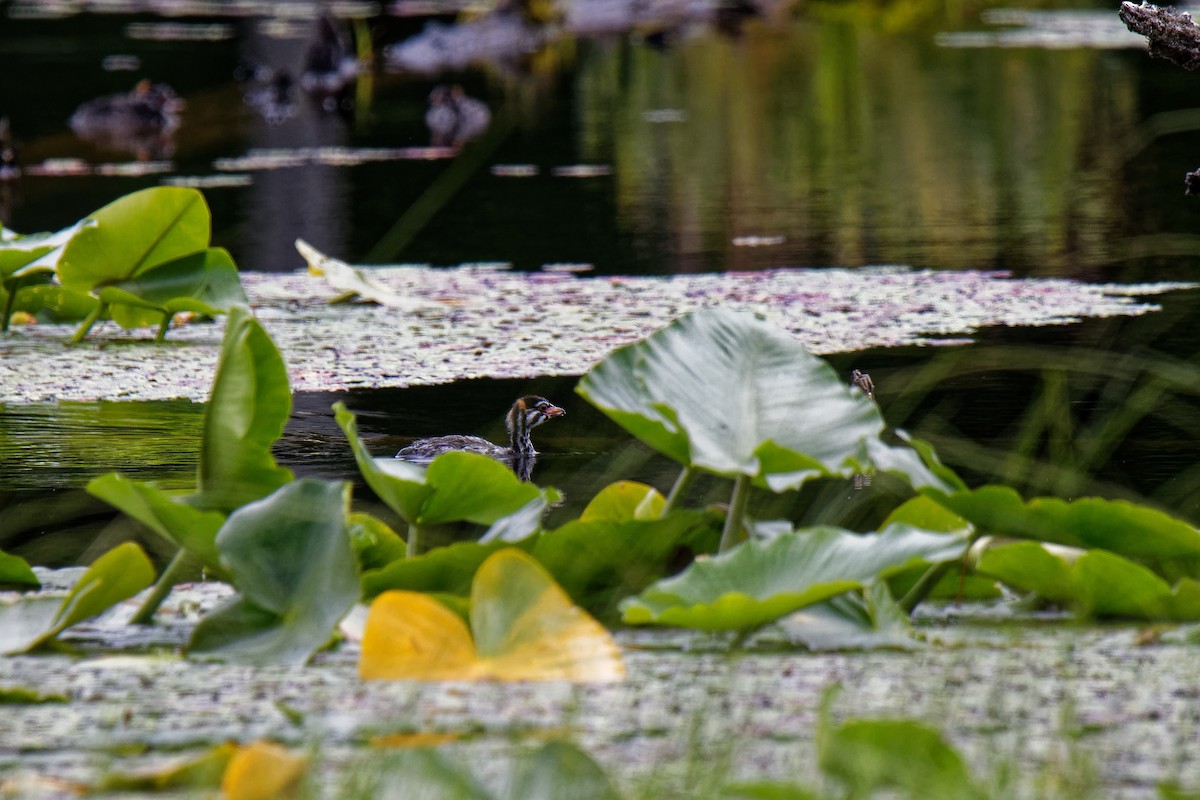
(526, 414)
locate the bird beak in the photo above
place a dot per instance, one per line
(555, 411)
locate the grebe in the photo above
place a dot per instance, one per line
(525, 415)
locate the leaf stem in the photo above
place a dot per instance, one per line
(687, 476)
(162, 328)
(414, 541)
(86, 325)
(924, 585)
(180, 564)
(737, 511)
(11, 288)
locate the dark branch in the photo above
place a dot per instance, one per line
(1172, 34)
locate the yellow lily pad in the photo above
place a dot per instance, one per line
(524, 627)
(263, 770)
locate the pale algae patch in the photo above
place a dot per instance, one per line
(481, 321)
(1064, 710)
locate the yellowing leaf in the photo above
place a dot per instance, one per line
(525, 629)
(400, 740)
(355, 284)
(262, 771)
(412, 636)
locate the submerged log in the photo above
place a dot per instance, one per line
(1171, 33)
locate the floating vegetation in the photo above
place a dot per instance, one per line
(75, 167)
(179, 31)
(209, 181)
(566, 322)
(330, 156)
(582, 171)
(758, 241)
(515, 170)
(1052, 30)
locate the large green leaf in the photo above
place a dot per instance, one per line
(205, 283)
(291, 561)
(167, 514)
(422, 774)
(600, 562)
(895, 758)
(768, 389)
(444, 570)
(757, 582)
(558, 771)
(1131, 530)
(726, 392)
(454, 487)
(247, 409)
(852, 621)
(115, 576)
(1093, 582)
(133, 234)
(596, 562)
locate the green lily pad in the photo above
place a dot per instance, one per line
(134, 233)
(780, 409)
(115, 576)
(167, 514)
(1095, 583)
(290, 558)
(901, 758)
(205, 283)
(1134, 531)
(851, 621)
(375, 544)
(757, 582)
(418, 773)
(558, 771)
(624, 501)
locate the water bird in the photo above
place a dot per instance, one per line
(140, 121)
(526, 414)
(330, 65)
(454, 118)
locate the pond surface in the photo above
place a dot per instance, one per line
(831, 136)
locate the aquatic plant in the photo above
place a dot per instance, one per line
(140, 260)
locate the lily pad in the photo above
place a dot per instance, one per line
(757, 582)
(852, 622)
(783, 416)
(290, 559)
(115, 576)
(167, 514)
(204, 283)
(523, 627)
(263, 771)
(1134, 531)
(558, 771)
(1095, 583)
(134, 233)
(774, 394)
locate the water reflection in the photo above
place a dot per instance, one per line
(821, 140)
(1116, 414)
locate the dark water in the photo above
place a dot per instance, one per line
(838, 136)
